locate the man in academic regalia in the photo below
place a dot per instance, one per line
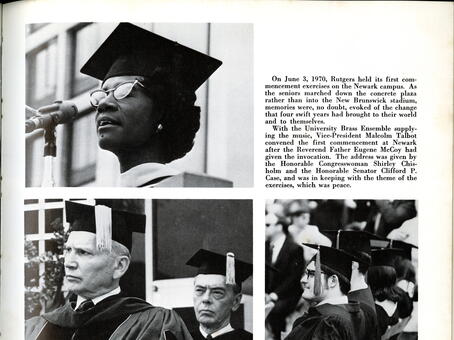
(282, 286)
(97, 255)
(325, 285)
(217, 293)
(357, 244)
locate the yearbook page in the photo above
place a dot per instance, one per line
(167, 129)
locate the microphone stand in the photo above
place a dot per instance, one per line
(50, 152)
(58, 113)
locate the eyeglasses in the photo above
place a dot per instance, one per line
(120, 91)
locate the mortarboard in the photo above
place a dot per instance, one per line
(356, 243)
(336, 260)
(131, 50)
(106, 223)
(208, 262)
(383, 243)
(377, 242)
(385, 257)
(406, 247)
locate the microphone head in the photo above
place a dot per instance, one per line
(68, 111)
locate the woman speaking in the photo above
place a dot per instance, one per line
(145, 106)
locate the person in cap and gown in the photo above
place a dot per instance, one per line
(325, 285)
(145, 107)
(282, 286)
(382, 281)
(217, 293)
(406, 287)
(357, 244)
(97, 255)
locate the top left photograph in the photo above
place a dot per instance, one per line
(139, 105)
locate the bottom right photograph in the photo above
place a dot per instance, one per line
(341, 269)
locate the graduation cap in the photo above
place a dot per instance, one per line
(208, 262)
(378, 242)
(386, 257)
(406, 247)
(356, 243)
(336, 260)
(108, 224)
(131, 50)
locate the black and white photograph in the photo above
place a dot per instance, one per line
(341, 269)
(139, 104)
(158, 132)
(138, 269)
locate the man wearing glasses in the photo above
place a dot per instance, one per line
(326, 283)
(145, 108)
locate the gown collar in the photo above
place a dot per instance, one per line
(145, 173)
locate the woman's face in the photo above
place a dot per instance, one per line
(127, 123)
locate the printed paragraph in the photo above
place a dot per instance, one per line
(335, 131)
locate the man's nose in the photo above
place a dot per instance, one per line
(107, 104)
(206, 297)
(70, 261)
(304, 279)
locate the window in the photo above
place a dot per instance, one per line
(85, 41)
(42, 74)
(43, 229)
(83, 147)
(53, 75)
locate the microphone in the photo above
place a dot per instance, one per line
(60, 112)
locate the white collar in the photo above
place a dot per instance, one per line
(221, 331)
(278, 242)
(144, 173)
(97, 299)
(359, 286)
(339, 300)
(388, 306)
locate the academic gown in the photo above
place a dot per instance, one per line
(115, 317)
(367, 305)
(147, 175)
(363, 295)
(236, 334)
(405, 303)
(384, 320)
(330, 322)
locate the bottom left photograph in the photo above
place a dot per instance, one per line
(138, 269)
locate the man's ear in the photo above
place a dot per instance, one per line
(121, 266)
(236, 301)
(333, 281)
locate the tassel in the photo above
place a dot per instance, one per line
(230, 269)
(103, 219)
(318, 275)
(337, 239)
